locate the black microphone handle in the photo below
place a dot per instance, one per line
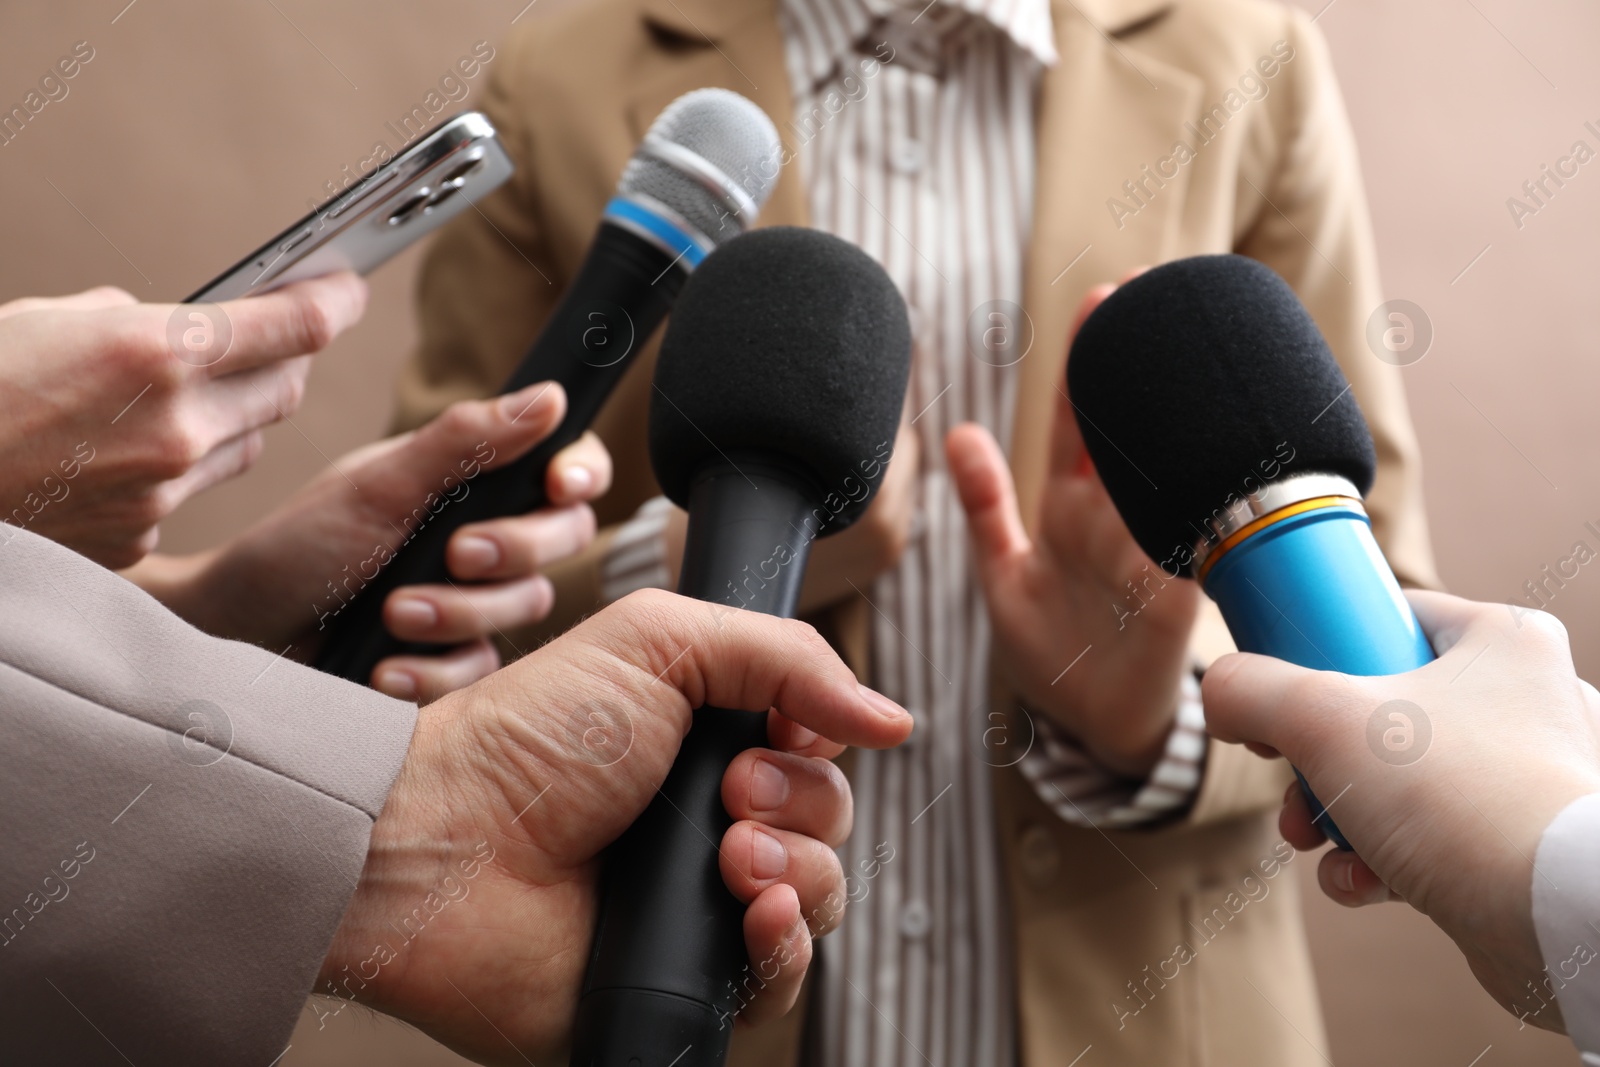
(624, 289)
(668, 973)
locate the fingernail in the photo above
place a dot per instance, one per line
(801, 737)
(768, 857)
(577, 481)
(882, 704)
(769, 787)
(476, 554)
(414, 613)
(396, 683)
(1343, 877)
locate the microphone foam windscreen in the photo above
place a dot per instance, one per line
(1193, 383)
(789, 343)
(725, 130)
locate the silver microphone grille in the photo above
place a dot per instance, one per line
(712, 157)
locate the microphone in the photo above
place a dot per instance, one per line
(698, 179)
(1225, 433)
(777, 395)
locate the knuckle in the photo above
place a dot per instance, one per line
(164, 499)
(145, 511)
(146, 354)
(292, 386)
(809, 637)
(462, 420)
(175, 449)
(250, 449)
(313, 329)
(1543, 630)
(651, 601)
(655, 618)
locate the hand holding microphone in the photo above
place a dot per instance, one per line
(777, 396)
(1227, 435)
(1512, 737)
(476, 905)
(275, 583)
(699, 177)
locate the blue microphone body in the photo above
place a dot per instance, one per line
(1312, 587)
(1232, 443)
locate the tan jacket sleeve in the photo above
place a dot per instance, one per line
(1314, 230)
(489, 284)
(186, 819)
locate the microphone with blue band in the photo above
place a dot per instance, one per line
(657, 227)
(697, 180)
(1227, 436)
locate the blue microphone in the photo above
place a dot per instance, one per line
(1228, 438)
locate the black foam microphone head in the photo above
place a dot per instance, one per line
(1199, 382)
(788, 343)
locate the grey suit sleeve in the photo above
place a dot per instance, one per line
(183, 822)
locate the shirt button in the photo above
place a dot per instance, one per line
(909, 157)
(915, 919)
(919, 321)
(1041, 855)
(919, 728)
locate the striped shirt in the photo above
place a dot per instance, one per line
(914, 127)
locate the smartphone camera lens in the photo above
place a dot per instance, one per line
(446, 191)
(414, 203)
(462, 171)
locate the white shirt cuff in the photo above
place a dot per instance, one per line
(1566, 916)
(1084, 793)
(637, 557)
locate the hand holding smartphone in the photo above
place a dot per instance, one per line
(401, 202)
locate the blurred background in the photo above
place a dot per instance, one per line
(199, 129)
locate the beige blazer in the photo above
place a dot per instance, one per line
(1099, 920)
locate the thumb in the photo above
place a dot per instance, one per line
(988, 495)
(747, 660)
(1251, 699)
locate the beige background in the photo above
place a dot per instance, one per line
(199, 129)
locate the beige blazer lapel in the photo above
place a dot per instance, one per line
(1086, 151)
(718, 44)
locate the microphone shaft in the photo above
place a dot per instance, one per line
(668, 973)
(587, 346)
(1314, 589)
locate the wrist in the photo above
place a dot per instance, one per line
(367, 956)
(1127, 738)
(179, 583)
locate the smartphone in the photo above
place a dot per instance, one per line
(406, 199)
